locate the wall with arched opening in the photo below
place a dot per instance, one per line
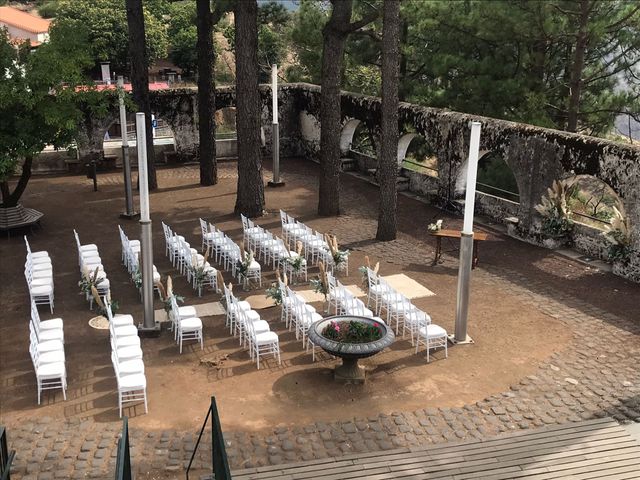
(163, 140)
(346, 136)
(417, 154)
(536, 156)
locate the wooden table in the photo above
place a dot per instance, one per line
(477, 237)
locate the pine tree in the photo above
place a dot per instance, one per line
(250, 191)
(140, 78)
(387, 219)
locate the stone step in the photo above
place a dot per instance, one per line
(402, 184)
(349, 164)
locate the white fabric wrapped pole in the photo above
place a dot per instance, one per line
(472, 172)
(141, 140)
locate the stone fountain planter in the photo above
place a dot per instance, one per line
(350, 371)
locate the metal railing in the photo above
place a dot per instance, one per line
(123, 460)
(513, 196)
(421, 165)
(6, 456)
(218, 451)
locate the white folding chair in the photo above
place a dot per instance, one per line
(132, 388)
(49, 376)
(261, 343)
(187, 328)
(431, 336)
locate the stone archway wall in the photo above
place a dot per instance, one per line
(536, 155)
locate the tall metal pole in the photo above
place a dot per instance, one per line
(126, 164)
(466, 239)
(146, 245)
(275, 131)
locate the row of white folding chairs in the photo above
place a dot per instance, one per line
(345, 302)
(228, 254)
(406, 315)
(46, 347)
(252, 331)
(186, 260)
(185, 324)
(272, 249)
(299, 315)
(316, 248)
(189, 260)
(89, 260)
(126, 358)
(131, 259)
(38, 272)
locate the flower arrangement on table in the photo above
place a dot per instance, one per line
(363, 272)
(320, 284)
(274, 292)
(555, 210)
(340, 257)
(352, 332)
(102, 308)
(435, 227)
(618, 234)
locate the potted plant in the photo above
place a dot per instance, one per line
(554, 209)
(618, 234)
(351, 338)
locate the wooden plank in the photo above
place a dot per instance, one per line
(569, 451)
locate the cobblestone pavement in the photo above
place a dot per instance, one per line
(595, 376)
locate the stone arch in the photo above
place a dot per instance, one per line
(365, 139)
(593, 201)
(346, 136)
(415, 149)
(496, 177)
(403, 145)
(225, 119)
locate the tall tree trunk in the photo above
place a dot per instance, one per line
(577, 66)
(250, 190)
(140, 78)
(387, 219)
(403, 86)
(206, 95)
(12, 199)
(335, 35)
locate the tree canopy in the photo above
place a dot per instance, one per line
(105, 23)
(38, 104)
(511, 60)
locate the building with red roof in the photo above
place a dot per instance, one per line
(24, 26)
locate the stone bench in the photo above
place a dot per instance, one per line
(18, 217)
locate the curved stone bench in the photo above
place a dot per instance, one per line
(18, 217)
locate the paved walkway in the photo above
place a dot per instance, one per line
(595, 376)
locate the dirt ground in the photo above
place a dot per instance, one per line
(511, 337)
